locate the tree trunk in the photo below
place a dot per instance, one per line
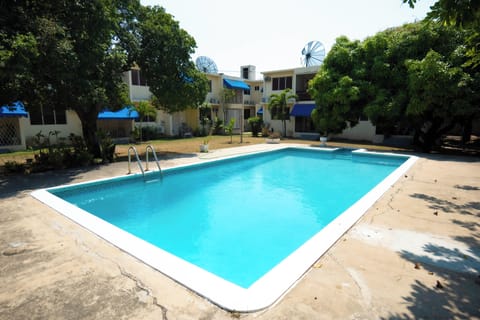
(467, 130)
(429, 137)
(89, 127)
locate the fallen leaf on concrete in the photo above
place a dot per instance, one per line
(439, 285)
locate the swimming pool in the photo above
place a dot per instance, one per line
(238, 231)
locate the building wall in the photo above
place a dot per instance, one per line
(277, 125)
(73, 125)
(136, 92)
(364, 130)
(192, 118)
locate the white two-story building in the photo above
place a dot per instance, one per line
(300, 124)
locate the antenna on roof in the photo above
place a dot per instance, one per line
(313, 54)
(206, 65)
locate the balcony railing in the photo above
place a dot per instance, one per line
(303, 96)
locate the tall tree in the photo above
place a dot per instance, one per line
(72, 54)
(441, 96)
(165, 58)
(335, 93)
(463, 14)
(389, 78)
(67, 54)
(278, 105)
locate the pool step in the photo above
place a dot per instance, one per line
(343, 153)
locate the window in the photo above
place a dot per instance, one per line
(304, 124)
(245, 73)
(282, 83)
(246, 113)
(47, 115)
(137, 78)
(257, 88)
(209, 85)
(276, 113)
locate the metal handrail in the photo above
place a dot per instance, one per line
(138, 160)
(150, 147)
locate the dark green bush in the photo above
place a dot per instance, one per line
(255, 125)
(14, 167)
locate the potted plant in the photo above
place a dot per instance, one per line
(324, 124)
(323, 140)
(205, 141)
(204, 145)
(274, 137)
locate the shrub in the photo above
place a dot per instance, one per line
(14, 167)
(255, 125)
(217, 126)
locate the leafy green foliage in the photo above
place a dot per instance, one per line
(255, 125)
(441, 95)
(278, 105)
(65, 54)
(164, 57)
(463, 14)
(335, 92)
(72, 54)
(144, 109)
(406, 79)
(217, 126)
(229, 128)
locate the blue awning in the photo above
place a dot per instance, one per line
(123, 114)
(260, 111)
(16, 109)
(235, 84)
(302, 109)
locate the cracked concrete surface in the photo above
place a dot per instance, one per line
(425, 230)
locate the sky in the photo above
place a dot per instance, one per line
(271, 34)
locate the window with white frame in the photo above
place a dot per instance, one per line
(281, 83)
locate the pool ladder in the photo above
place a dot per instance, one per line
(139, 162)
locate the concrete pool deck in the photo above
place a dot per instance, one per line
(414, 254)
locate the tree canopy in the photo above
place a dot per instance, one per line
(67, 54)
(72, 54)
(409, 79)
(164, 58)
(463, 14)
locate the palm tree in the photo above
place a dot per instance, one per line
(278, 105)
(145, 109)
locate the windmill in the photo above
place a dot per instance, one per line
(206, 65)
(313, 54)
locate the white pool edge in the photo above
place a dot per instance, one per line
(264, 292)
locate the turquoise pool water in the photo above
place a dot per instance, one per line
(240, 217)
